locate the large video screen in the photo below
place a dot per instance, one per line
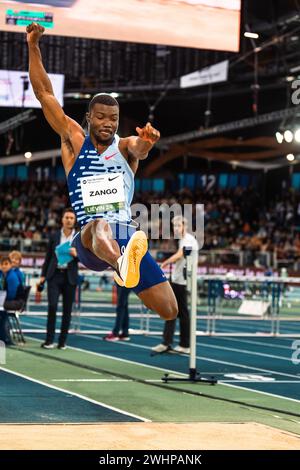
(16, 90)
(203, 24)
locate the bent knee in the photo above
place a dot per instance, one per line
(169, 311)
(91, 231)
(94, 232)
(99, 227)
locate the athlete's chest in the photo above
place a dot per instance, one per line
(113, 157)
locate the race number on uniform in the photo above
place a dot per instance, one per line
(103, 193)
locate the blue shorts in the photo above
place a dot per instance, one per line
(150, 273)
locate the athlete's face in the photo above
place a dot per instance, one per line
(103, 121)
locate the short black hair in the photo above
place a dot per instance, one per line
(103, 98)
(68, 209)
(5, 258)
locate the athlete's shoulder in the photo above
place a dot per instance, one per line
(71, 144)
(122, 143)
(130, 159)
(75, 126)
(124, 146)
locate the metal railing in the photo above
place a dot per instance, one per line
(214, 257)
(221, 304)
(25, 245)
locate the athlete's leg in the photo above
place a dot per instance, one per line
(97, 237)
(161, 299)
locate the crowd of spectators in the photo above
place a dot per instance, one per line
(239, 220)
(235, 219)
(29, 211)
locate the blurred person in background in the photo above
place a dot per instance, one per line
(178, 284)
(16, 261)
(10, 284)
(121, 329)
(61, 277)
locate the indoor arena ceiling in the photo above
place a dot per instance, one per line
(147, 78)
(93, 65)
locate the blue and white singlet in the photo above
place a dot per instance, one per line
(90, 163)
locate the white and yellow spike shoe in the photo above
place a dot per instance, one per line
(129, 262)
(118, 280)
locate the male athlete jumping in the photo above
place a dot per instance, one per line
(100, 170)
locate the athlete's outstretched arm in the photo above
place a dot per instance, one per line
(140, 146)
(42, 85)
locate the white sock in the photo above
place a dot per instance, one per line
(119, 262)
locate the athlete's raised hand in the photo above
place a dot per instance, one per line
(34, 32)
(148, 133)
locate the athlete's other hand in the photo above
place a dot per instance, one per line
(148, 133)
(34, 32)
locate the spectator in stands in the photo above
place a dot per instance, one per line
(10, 283)
(9, 280)
(16, 261)
(230, 217)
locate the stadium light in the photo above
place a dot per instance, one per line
(288, 136)
(247, 34)
(297, 135)
(279, 137)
